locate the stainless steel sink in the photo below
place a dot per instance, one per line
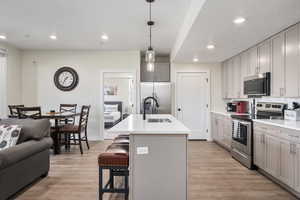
(159, 120)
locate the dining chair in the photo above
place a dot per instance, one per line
(71, 108)
(29, 112)
(13, 109)
(79, 130)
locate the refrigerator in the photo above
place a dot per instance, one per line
(159, 90)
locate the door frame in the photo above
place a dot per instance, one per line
(136, 93)
(177, 72)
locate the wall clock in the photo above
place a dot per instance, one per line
(66, 78)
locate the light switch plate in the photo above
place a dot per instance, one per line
(142, 150)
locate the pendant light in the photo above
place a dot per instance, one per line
(150, 53)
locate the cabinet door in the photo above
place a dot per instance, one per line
(214, 126)
(278, 68)
(272, 155)
(244, 71)
(236, 77)
(224, 80)
(286, 173)
(292, 62)
(220, 130)
(230, 78)
(253, 61)
(228, 131)
(297, 168)
(259, 149)
(264, 57)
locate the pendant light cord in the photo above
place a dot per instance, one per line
(150, 26)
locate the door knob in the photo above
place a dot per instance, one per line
(179, 109)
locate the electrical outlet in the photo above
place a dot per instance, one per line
(142, 150)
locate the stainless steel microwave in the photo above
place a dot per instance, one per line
(258, 85)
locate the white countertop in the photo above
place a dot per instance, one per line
(295, 125)
(134, 124)
(228, 113)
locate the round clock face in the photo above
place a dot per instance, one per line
(66, 79)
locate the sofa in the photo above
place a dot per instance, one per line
(26, 162)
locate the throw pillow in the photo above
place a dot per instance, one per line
(9, 135)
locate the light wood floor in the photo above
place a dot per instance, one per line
(213, 175)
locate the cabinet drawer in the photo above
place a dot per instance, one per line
(267, 128)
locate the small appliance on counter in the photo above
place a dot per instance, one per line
(237, 106)
(242, 106)
(231, 107)
(293, 112)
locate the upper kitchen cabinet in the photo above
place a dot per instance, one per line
(278, 66)
(253, 61)
(230, 77)
(236, 76)
(161, 71)
(264, 57)
(224, 80)
(292, 61)
(244, 72)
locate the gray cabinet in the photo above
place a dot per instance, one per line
(236, 76)
(230, 81)
(259, 150)
(244, 72)
(224, 80)
(253, 64)
(286, 174)
(278, 66)
(161, 71)
(222, 130)
(292, 62)
(264, 57)
(272, 155)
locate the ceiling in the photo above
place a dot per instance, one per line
(183, 27)
(79, 24)
(214, 25)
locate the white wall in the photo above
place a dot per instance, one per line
(39, 89)
(216, 103)
(14, 71)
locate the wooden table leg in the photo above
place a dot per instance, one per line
(56, 139)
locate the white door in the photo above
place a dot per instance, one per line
(193, 102)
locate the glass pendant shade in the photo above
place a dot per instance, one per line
(150, 56)
(150, 67)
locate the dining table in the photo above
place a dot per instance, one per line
(60, 119)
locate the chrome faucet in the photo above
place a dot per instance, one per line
(144, 105)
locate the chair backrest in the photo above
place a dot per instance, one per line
(68, 108)
(84, 116)
(29, 112)
(13, 109)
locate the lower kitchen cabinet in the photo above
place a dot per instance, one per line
(286, 159)
(222, 130)
(272, 155)
(278, 154)
(259, 150)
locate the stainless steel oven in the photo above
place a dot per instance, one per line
(242, 142)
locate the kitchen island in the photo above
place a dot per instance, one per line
(158, 157)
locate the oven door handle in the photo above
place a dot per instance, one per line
(245, 123)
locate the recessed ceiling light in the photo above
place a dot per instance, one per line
(239, 20)
(2, 37)
(210, 46)
(195, 60)
(104, 37)
(53, 37)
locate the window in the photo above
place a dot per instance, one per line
(3, 88)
